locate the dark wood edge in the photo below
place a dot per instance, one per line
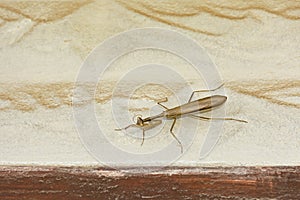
(46, 182)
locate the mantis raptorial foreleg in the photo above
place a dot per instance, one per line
(143, 139)
(131, 125)
(143, 126)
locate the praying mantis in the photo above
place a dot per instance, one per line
(200, 105)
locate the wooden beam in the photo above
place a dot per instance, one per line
(46, 182)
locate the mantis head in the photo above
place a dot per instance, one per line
(144, 124)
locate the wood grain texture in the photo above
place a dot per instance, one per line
(27, 97)
(25, 16)
(169, 183)
(172, 12)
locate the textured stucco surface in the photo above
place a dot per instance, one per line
(254, 45)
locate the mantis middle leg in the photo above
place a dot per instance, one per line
(204, 91)
(161, 101)
(174, 136)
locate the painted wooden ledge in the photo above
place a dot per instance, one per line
(41, 182)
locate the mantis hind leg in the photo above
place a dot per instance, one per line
(216, 118)
(174, 136)
(204, 91)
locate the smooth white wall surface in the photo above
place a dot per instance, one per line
(255, 47)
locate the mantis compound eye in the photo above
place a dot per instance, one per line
(136, 118)
(140, 121)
